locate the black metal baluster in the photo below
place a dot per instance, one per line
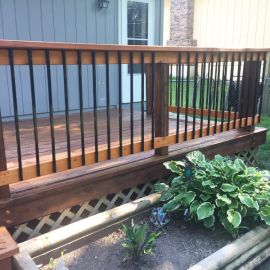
(108, 104)
(16, 116)
(215, 86)
(34, 110)
(202, 93)
(182, 86)
(49, 79)
(223, 90)
(142, 101)
(131, 103)
(93, 54)
(120, 116)
(262, 85)
(153, 99)
(207, 87)
(81, 105)
(187, 95)
(177, 82)
(210, 93)
(217, 90)
(247, 109)
(242, 88)
(256, 88)
(236, 101)
(66, 107)
(230, 91)
(195, 96)
(178, 97)
(171, 86)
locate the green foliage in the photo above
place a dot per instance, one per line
(138, 240)
(221, 191)
(53, 263)
(264, 149)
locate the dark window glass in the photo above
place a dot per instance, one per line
(137, 20)
(137, 27)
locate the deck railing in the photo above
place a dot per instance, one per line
(161, 96)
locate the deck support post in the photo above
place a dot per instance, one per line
(3, 161)
(4, 192)
(8, 248)
(249, 91)
(148, 89)
(161, 104)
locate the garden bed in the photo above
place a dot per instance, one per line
(179, 246)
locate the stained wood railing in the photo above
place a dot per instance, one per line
(174, 95)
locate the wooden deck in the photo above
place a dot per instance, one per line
(27, 135)
(48, 194)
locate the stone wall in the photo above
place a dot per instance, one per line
(181, 23)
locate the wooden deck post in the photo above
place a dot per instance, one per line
(148, 89)
(249, 91)
(3, 162)
(4, 190)
(8, 248)
(161, 104)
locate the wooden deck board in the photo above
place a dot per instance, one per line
(27, 135)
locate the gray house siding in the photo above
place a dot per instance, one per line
(62, 21)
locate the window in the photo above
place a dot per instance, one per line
(137, 20)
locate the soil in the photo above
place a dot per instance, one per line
(180, 246)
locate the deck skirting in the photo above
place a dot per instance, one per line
(41, 205)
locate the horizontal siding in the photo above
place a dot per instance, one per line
(63, 21)
(232, 23)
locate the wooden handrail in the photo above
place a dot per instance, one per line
(20, 44)
(167, 55)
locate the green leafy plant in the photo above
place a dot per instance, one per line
(219, 191)
(53, 262)
(138, 240)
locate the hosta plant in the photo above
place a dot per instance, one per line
(216, 191)
(138, 240)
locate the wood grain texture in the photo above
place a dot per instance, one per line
(161, 106)
(41, 196)
(28, 152)
(3, 161)
(8, 246)
(204, 112)
(167, 55)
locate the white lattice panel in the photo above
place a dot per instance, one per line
(249, 156)
(53, 221)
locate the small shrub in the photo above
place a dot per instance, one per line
(54, 265)
(217, 191)
(138, 240)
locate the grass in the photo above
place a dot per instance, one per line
(264, 150)
(183, 92)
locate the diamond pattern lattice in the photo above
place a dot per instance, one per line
(53, 221)
(249, 156)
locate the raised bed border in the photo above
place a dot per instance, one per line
(249, 249)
